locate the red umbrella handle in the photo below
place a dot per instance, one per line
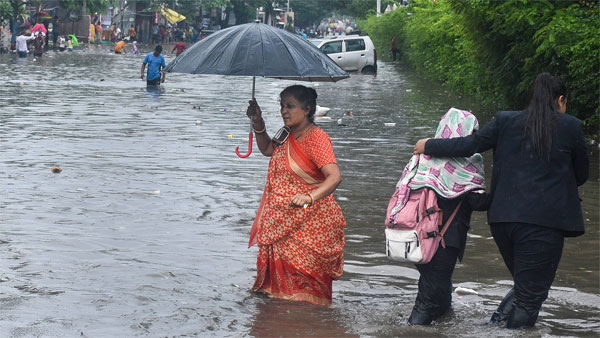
(237, 149)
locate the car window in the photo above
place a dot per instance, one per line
(354, 45)
(332, 47)
(315, 42)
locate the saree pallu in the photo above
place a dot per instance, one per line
(300, 249)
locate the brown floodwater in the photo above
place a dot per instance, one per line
(144, 232)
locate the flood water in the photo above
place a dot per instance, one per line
(145, 231)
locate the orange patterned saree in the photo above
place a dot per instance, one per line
(300, 249)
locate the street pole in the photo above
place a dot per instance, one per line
(378, 8)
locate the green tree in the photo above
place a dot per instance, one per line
(495, 49)
(92, 6)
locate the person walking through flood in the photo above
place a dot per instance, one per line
(132, 34)
(458, 183)
(38, 45)
(393, 48)
(540, 157)
(61, 43)
(21, 44)
(156, 63)
(180, 46)
(69, 43)
(299, 227)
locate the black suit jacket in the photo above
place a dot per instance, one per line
(525, 188)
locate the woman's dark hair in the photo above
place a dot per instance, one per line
(305, 95)
(543, 112)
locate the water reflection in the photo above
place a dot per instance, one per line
(286, 319)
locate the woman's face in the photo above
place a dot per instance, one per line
(292, 113)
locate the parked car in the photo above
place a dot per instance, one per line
(315, 42)
(351, 52)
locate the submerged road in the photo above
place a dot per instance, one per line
(144, 233)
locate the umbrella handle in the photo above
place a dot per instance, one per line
(249, 148)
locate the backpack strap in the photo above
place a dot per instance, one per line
(449, 221)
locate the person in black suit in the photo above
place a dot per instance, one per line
(540, 158)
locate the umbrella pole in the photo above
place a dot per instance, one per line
(251, 128)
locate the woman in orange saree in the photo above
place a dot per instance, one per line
(299, 228)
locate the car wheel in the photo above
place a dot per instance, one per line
(369, 70)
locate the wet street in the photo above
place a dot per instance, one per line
(145, 231)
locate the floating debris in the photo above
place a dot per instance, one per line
(389, 124)
(465, 291)
(230, 135)
(198, 122)
(321, 111)
(155, 192)
(56, 169)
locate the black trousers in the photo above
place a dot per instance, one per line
(531, 254)
(435, 287)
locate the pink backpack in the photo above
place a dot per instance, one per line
(412, 233)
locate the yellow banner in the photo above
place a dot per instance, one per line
(171, 15)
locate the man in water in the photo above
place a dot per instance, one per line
(120, 47)
(180, 46)
(156, 63)
(22, 44)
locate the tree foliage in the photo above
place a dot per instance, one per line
(495, 49)
(92, 6)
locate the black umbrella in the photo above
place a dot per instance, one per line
(256, 49)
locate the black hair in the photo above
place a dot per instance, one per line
(158, 48)
(305, 95)
(543, 112)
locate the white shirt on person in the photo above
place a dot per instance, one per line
(22, 42)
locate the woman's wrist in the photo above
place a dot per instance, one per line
(259, 126)
(261, 131)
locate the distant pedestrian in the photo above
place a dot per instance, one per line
(22, 44)
(155, 34)
(180, 46)
(120, 47)
(38, 45)
(99, 33)
(393, 48)
(61, 43)
(69, 44)
(132, 34)
(55, 30)
(134, 48)
(156, 63)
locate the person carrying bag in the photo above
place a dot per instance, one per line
(443, 192)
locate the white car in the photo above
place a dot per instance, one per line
(351, 52)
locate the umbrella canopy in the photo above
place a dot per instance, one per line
(256, 49)
(39, 27)
(42, 15)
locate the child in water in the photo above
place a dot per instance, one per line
(135, 49)
(69, 44)
(61, 43)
